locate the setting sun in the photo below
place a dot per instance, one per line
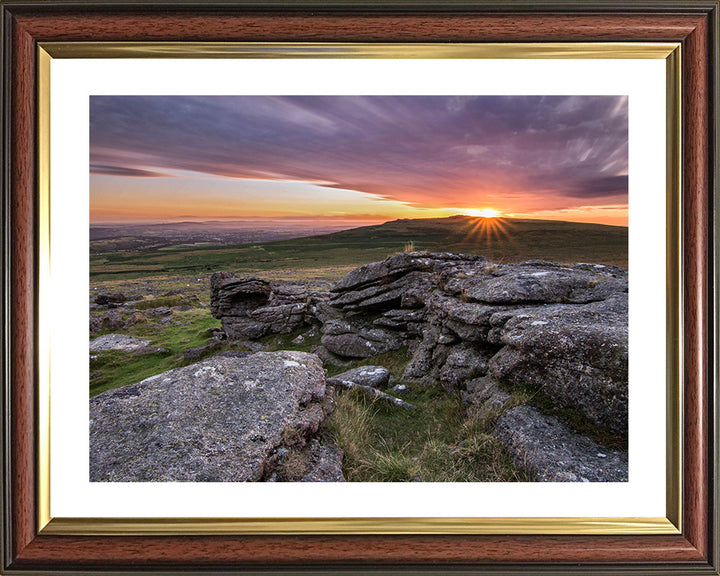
(483, 213)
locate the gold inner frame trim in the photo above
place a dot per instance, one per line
(357, 525)
(674, 311)
(43, 385)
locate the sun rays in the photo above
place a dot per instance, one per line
(488, 232)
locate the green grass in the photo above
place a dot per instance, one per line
(120, 368)
(275, 342)
(174, 300)
(498, 239)
(431, 443)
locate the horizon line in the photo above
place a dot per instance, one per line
(328, 220)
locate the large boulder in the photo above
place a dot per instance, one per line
(233, 296)
(551, 452)
(403, 279)
(577, 355)
(380, 272)
(224, 419)
(252, 308)
(281, 318)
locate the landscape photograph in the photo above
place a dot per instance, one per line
(358, 288)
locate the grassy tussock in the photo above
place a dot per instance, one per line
(351, 428)
(431, 444)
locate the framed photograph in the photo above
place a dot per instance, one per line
(367, 287)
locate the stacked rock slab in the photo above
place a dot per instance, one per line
(252, 308)
(225, 419)
(561, 330)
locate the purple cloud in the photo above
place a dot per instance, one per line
(425, 150)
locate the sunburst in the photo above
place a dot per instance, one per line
(489, 230)
(482, 212)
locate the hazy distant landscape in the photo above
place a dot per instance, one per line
(115, 237)
(197, 248)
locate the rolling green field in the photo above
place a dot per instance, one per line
(499, 239)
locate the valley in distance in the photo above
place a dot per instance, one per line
(447, 344)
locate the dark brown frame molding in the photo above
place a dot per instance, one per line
(26, 23)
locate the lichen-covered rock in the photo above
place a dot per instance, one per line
(392, 267)
(546, 282)
(351, 340)
(280, 319)
(288, 292)
(409, 321)
(117, 342)
(220, 420)
(577, 355)
(421, 364)
(382, 295)
(378, 274)
(463, 363)
(552, 452)
(469, 320)
(373, 376)
(328, 358)
(242, 327)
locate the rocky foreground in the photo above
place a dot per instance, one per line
(481, 329)
(223, 419)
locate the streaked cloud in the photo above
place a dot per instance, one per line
(516, 153)
(123, 171)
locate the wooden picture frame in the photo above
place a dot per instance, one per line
(29, 547)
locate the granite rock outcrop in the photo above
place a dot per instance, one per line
(557, 330)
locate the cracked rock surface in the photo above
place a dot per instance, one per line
(220, 420)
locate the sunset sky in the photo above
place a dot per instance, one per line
(369, 158)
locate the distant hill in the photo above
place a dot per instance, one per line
(499, 239)
(509, 239)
